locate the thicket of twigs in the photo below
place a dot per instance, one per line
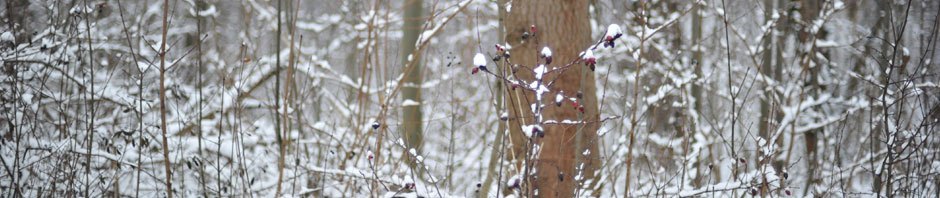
(299, 98)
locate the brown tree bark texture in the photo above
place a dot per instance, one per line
(564, 27)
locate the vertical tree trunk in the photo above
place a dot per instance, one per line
(278, 133)
(495, 159)
(808, 12)
(411, 114)
(563, 26)
(200, 28)
(166, 148)
(769, 113)
(883, 181)
(697, 59)
(767, 70)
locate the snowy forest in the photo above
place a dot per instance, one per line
(469, 98)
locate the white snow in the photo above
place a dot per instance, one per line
(409, 102)
(588, 54)
(211, 11)
(612, 31)
(479, 60)
(514, 180)
(540, 71)
(528, 129)
(826, 43)
(508, 6)
(539, 89)
(546, 52)
(6, 36)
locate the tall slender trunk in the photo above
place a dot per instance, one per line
(166, 148)
(809, 10)
(90, 108)
(411, 114)
(200, 5)
(495, 159)
(278, 129)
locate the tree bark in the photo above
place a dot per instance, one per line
(411, 114)
(564, 27)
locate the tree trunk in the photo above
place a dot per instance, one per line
(809, 10)
(411, 114)
(697, 58)
(769, 111)
(495, 159)
(563, 26)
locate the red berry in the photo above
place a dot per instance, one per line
(590, 61)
